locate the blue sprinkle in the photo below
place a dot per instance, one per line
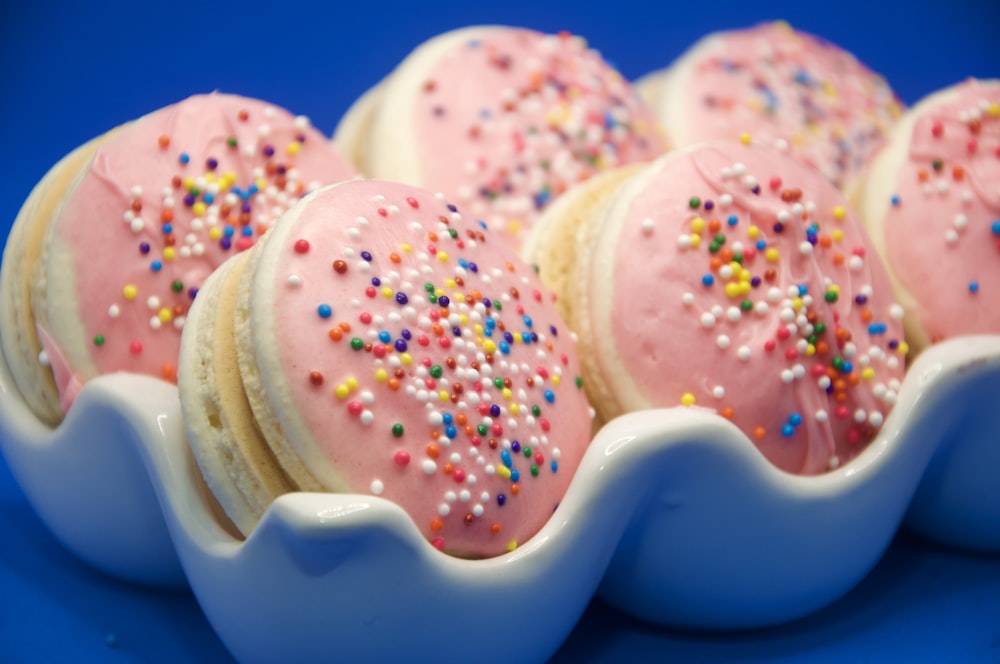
(795, 419)
(447, 418)
(550, 396)
(527, 320)
(208, 197)
(847, 367)
(504, 347)
(526, 337)
(168, 229)
(514, 475)
(973, 286)
(787, 430)
(451, 431)
(761, 245)
(324, 311)
(491, 323)
(708, 280)
(554, 466)
(228, 231)
(505, 458)
(995, 227)
(803, 289)
(384, 336)
(733, 220)
(185, 158)
(894, 200)
(156, 266)
(246, 231)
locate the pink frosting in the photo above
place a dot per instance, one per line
(428, 364)
(153, 214)
(512, 118)
(776, 83)
(942, 231)
(744, 285)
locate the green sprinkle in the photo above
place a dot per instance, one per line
(99, 340)
(694, 203)
(177, 286)
(397, 430)
(536, 411)
(534, 470)
(357, 344)
(436, 371)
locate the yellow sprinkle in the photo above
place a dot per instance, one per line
(386, 292)
(695, 240)
(745, 275)
(293, 148)
(511, 545)
(438, 292)
(839, 213)
(737, 269)
(129, 292)
(868, 373)
(555, 379)
(443, 395)
(450, 283)
(261, 184)
(733, 289)
(837, 235)
(352, 383)
(687, 399)
(169, 253)
(489, 346)
(797, 303)
(507, 394)
(829, 90)
(745, 287)
(514, 226)
(381, 375)
(753, 232)
(215, 232)
(406, 359)
(994, 109)
(771, 255)
(341, 391)
(503, 472)
(745, 138)
(697, 224)
(903, 348)
(514, 409)
(165, 315)
(188, 183)
(810, 350)
(229, 179)
(406, 248)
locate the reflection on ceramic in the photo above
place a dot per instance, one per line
(87, 481)
(673, 517)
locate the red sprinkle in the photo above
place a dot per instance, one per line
(301, 246)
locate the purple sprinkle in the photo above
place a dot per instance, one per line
(443, 301)
(268, 150)
(400, 345)
(406, 334)
(376, 281)
(144, 247)
(401, 298)
(515, 446)
(226, 242)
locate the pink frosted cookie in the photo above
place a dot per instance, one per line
(780, 86)
(734, 278)
(502, 120)
(932, 206)
(112, 245)
(379, 341)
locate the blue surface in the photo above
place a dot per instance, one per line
(73, 70)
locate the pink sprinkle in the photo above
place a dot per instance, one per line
(545, 424)
(355, 407)
(412, 202)
(365, 317)
(301, 246)
(458, 475)
(401, 457)
(135, 347)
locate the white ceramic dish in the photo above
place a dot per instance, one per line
(673, 517)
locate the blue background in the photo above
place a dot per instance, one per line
(70, 71)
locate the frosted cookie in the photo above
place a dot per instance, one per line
(379, 341)
(932, 207)
(781, 86)
(734, 278)
(502, 120)
(110, 248)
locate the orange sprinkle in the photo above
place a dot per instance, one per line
(164, 141)
(515, 488)
(822, 347)
(727, 413)
(759, 432)
(434, 436)
(461, 419)
(436, 525)
(335, 334)
(395, 258)
(169, 372)
(838, 259)
(448, 468)
(715, 263)
(433, 450)
(867, 315)
(167, 215)
(923, 175)
(393, 384)
(714, 225)
(432, 236)
(853, 379)
(825, 242)
(345, 326)
(495, 528)
(726, 254)
(958, 173)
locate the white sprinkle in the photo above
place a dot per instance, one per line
(896, 312)
(444, 509)
(821, 416)
(725, 200)
(367, 417)
(960, 221)
(734, 314)
(824, 382)
(707, 320)
(428, 466)
(377, 487)
(860, 415)
(647, 226)
(718, 392)
(799, 371)
(43, 358)
(136, 191)
(294, 280)
(137, 225)
(743, 353)
(787, 376)
(688, 298)
(155, 323)
(722, 341)
(834, 462)
(875, 418)
(113, 311)
(153, 302)
(683, 241)
(805, 248)
(855, 263)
